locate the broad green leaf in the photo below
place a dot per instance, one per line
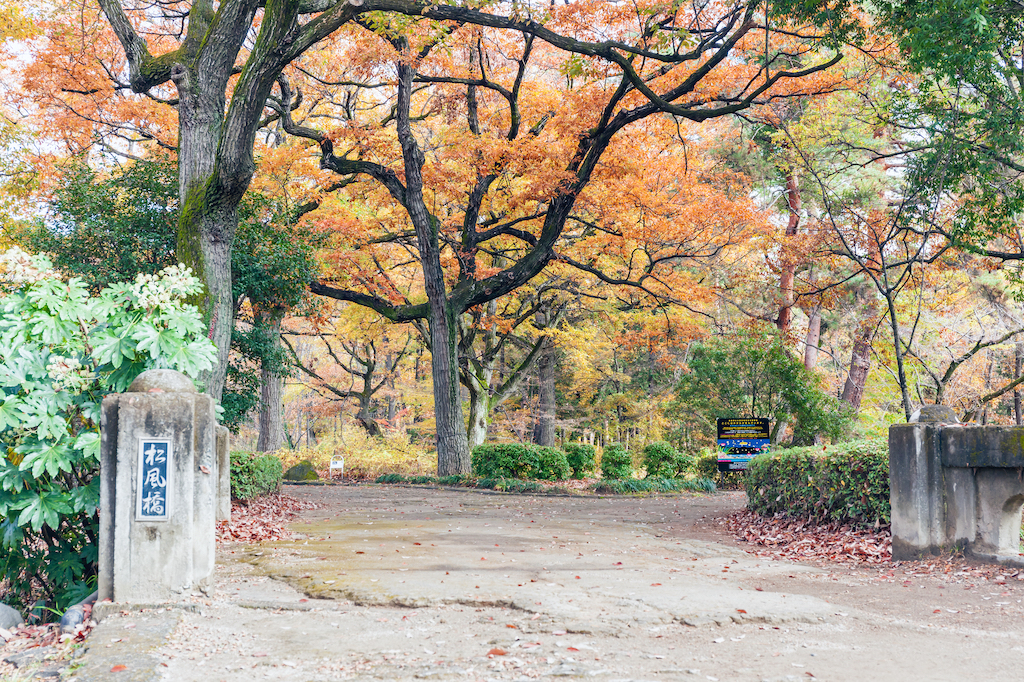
(89, 443)
(50, 457)
(10, 412)
(44, 509)
(10, 534)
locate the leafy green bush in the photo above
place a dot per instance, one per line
(580, 458)
(844, 482)
(552, 464)
(61, 352)
(254, 474)
(663, 461)
(505, 460)
(522, 461)
(616, 462)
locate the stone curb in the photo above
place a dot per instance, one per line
(102, 610)
(127, 641)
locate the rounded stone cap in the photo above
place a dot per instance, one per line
(162, 381)
(934, 413)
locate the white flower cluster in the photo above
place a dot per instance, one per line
(68, 374)
(18, 267)
(164, 288)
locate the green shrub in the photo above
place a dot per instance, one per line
(254, 474)
(663, 461)
(552, 464)
(844, 482)
(580, 458)
(616, 462)
(61, 351)
(505, 460)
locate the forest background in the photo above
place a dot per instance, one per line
(421, 226)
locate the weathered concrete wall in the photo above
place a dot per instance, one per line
(141, 559)
(956, 487)
(223, 473)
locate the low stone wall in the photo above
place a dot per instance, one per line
(956, 487)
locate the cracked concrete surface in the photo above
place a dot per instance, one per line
(394, 583)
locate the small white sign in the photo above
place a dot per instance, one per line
(153, 485)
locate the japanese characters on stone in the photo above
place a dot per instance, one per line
(153, 486)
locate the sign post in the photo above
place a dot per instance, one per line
(740, 440)
(159, 482)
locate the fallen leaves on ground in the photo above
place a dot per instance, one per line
(803, 539)
(26, 637)
(261, 519)
(782, 537)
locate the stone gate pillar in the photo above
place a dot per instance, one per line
(158, 490)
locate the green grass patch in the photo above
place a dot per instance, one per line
(633, 486)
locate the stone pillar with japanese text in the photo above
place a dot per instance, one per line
(158, 490)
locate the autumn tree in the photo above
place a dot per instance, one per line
(523, 165)
(354, 357)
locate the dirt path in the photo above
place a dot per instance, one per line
(397, 583)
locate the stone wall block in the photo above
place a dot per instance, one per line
(223, 474)
(956, 487)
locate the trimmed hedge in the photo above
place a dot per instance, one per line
(520, 461)
(616, 462)
(254, 474)
(581, 459)
(663, 461)
(847, 482)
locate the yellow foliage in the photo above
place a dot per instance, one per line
(366, 457)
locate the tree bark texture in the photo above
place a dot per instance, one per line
(788, 274)
(479, 407)
(453, 455)
(271, 418)
(860, 365)
(813, 340)
(544, 429)
(1018, 364)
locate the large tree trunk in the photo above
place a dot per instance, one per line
(788, 274)
(813, 339)
(271, 418)
(453, 455)
(207, 220)
(544, 429)
(860, 365)
(479, 406)
(1018, 363)
(452, 444)
(365, 416)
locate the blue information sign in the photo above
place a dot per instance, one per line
(154, 483)
(739, 440)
